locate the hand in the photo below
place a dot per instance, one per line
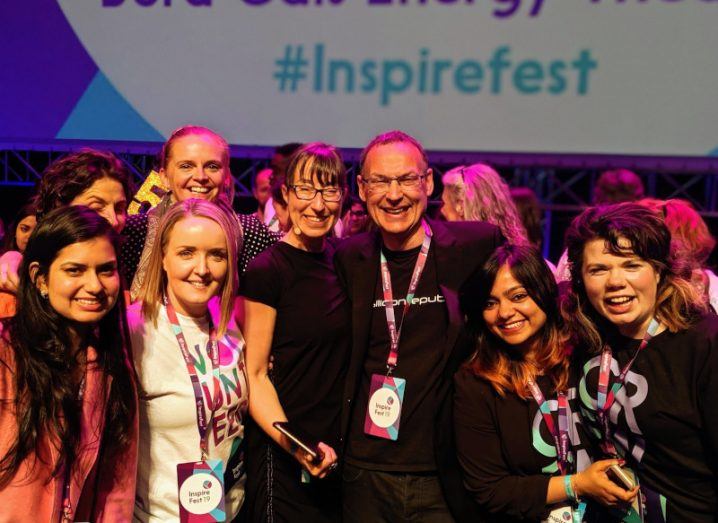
(9, 265)
(318, 469)
(595, 483)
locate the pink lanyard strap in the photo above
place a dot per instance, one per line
(394, 331)
(606, 397)
(560, 436)
(213, 350)
(66, 515)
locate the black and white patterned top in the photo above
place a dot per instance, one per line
(133, 241)
(257, 237)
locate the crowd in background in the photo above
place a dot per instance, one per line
(160, 366)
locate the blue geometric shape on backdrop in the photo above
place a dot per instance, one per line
(714, 152)
(102, 113)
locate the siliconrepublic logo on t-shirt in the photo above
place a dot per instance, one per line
(416, 300)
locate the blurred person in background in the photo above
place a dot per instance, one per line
(613, 186)
(478, 193)
(691, 244)
(15, 242)
(356, 219)
(261, 190)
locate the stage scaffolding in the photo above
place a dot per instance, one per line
(562, 183)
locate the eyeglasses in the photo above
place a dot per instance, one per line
(381, 184)
(307, 192)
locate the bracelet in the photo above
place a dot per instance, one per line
(568, 487)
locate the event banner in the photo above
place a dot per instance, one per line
(635, 77)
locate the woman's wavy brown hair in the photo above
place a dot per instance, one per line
(502, 365)
(678, 304)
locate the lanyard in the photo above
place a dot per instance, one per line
(606, 397)
(394, 331)
(66, 514)
(560, 436)
(213, 351)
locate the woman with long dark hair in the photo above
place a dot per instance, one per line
(15, 243)
(68, 429)
(522, 454)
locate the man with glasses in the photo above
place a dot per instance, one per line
(408, 341)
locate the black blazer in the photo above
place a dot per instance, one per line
(460, 248)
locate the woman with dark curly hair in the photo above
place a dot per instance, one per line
(93, 178)
(651, 371)
(68, 425)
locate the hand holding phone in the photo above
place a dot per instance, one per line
(300, 440)
(604, 486)
(620, 477)
(318, 458)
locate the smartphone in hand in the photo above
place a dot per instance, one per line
(621, 477)
(301, 440)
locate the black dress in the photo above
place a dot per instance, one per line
(310, 346)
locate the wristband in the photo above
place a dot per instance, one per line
(568, 487)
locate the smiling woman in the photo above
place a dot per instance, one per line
(296, 312)
(194, 163)
(67, 403)
(507, 439)
(652, 359)
(180, 329)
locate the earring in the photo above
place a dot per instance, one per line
(297, 230)
(44, 293)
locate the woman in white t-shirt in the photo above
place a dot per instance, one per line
(188, 353)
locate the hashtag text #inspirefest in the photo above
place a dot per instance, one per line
(426, 75)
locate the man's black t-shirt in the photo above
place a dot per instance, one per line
(665, 419)
(423, 337)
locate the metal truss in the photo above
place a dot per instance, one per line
(563, 189)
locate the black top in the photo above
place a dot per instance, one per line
(505, 449)
(667, 416)
(422, 336)
(310, 344)
(459, 249)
